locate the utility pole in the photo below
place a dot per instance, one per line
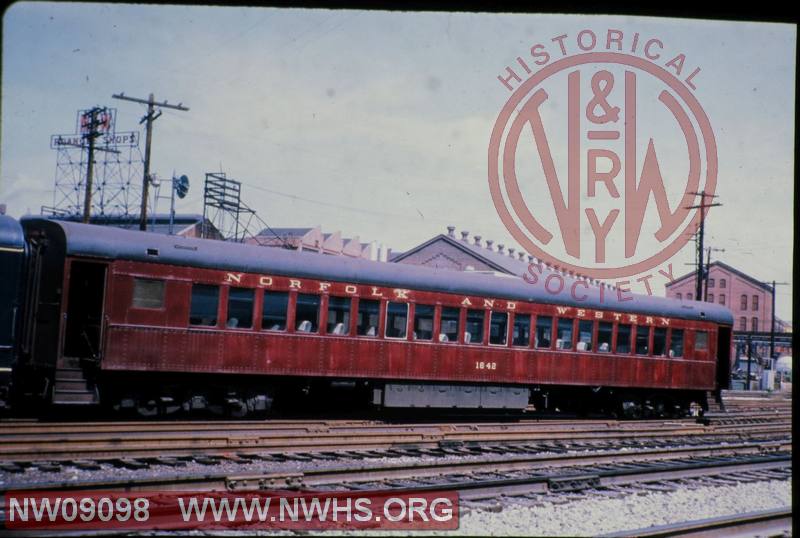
(700, 233)
(708, 268)
(90, 136)
(148, 120)
(749, 358)
(772, 328)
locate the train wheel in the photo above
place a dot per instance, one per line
(631, 409)
(147, 408)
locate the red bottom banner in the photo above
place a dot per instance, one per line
(301, 510)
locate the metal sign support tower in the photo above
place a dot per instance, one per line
(223, 206)
(85, 180)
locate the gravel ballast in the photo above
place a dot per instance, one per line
(600, 515)
(590, 517)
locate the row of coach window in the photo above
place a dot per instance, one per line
(722, 301)
(547, 331)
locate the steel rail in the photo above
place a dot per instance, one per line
(776, 522)
(63, 447)
(327, 477)
(17, 426)
(20, 426)
(323, 477)
(521, 486)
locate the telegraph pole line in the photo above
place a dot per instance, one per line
(148, 120)
(708, 268)
(772, 328)
(700, 233)
(90, 136)
(749, 358)
(707, 272)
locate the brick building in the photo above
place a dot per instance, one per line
(749, 299)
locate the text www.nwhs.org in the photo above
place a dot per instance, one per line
(287, 510)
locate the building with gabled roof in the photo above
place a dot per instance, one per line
(445, 251)
(748, 298)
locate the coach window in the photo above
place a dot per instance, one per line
(368, 312)
(148, 293)
(701, 340)
(498, 328)
(396, 320)
(449, 330)
(339, 315)
(604, 332)
(423, 322)
(676, 343)
(522, 330)
(585, 328)
(642, 340)
(564, 333)
(307, 313)
(273, 317)
(240, 308)
(623, 338)
(474, 332)
(659, 341)
(205, 302)
(544, 331)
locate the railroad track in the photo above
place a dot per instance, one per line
(23, 426)
(518, 479)
(756, 401)
(745, 418)
(27, 443)
(476, 479)
(503, 476)
(777, 522)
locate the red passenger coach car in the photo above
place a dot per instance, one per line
(161, 323)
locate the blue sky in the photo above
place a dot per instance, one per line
(387, 112)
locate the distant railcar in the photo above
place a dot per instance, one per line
(160, 323)
(12, 267)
